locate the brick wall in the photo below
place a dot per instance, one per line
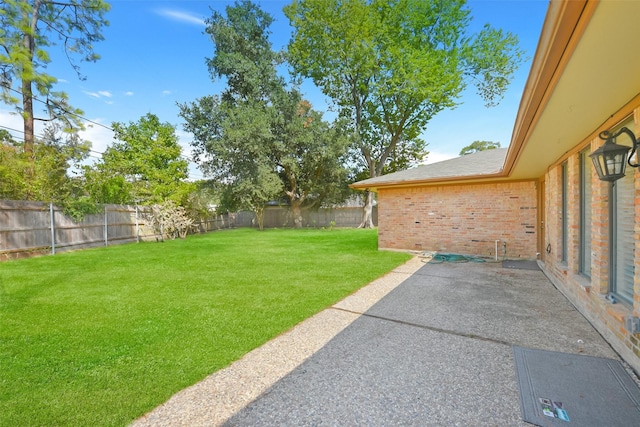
(588, 294)
(468, 219)
(463, 219)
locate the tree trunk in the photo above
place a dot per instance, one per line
(28, 42)
(260, 218)
(27, 115)
(27, 101)
(29, 139)
(296, 211)
(367, 211)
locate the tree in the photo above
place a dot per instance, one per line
(54, 155)
(309, 155)
(27, 29)
(260, 138)
(251, 190)
(476, 146)
(262, 152)
(11, 167)
(243, 53)
(390, 66)
(201, 202)
(143, 165)
(230, 146)
(105, 186)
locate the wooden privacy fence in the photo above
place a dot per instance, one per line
(278, 216)
(34, 228)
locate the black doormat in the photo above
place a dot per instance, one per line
(520, 264)
(562, 389)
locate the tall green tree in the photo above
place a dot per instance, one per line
(260, 138)
(143, 165)
(28, 30)
(309, 155)
(243, 54)
(392, 65)
(476, 146)
(261, 153)
(230, 146)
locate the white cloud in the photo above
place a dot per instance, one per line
(11, 120)
(128, 93)
(99, 136)
(184, 139)
(99, 94)
(166, 92)
(92, 94)
(178, 15)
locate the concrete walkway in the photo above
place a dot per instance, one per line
(427, 344)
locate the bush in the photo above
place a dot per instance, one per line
(170, 221)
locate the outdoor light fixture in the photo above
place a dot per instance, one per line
(610, 160)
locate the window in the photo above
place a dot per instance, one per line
(564, 219)
(585, 213)
(622, 237)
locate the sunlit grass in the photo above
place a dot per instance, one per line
(100, 337)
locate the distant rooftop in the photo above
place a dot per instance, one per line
(486, 162)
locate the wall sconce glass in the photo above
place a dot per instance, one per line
(610, 160)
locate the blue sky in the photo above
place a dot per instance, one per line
(153, 56)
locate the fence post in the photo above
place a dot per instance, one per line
(137, 226)
(53, 229)
(106, 227)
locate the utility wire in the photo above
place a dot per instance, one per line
(187, 158)
(42, 137)
(99, 154)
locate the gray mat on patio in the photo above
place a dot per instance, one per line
(563, 389)
(520, 264)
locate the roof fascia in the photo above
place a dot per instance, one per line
(564, 25)
(482, 179)
(428, 181)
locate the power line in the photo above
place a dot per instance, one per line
(42, 137)
(82, 117)
(187, 158)
(64, 109)
(99, 154)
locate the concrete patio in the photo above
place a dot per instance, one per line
(427, 344)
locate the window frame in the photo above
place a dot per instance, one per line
(585, 230)
(564, 220)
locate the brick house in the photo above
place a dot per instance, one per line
(541, 197)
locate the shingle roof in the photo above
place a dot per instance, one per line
(486, 162)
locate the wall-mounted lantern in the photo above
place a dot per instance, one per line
(610, 160)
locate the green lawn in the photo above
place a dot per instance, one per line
(99, 337)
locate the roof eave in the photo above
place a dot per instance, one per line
(564, 24)
(430, 181)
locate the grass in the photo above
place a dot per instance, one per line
(100, 337)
